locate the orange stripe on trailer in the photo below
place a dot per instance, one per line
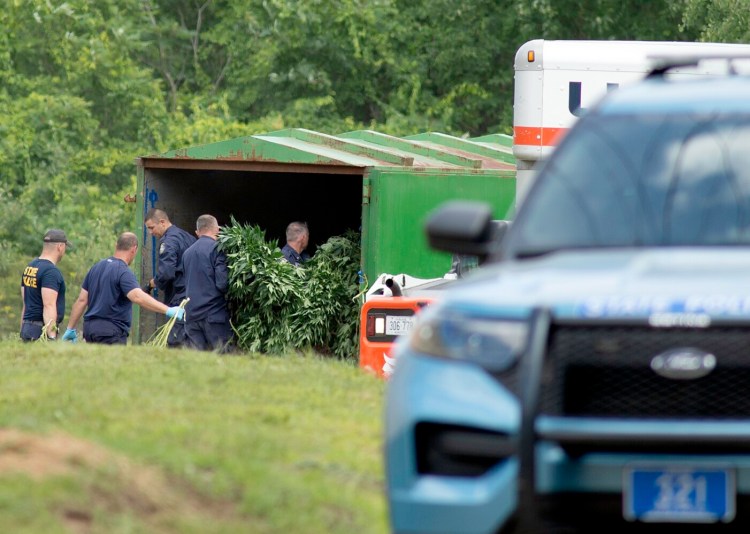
(536, 136)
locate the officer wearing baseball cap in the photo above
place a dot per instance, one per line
(56, 236)
(43, 290)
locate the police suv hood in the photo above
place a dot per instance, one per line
(664, 283)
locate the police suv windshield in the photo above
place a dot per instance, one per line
(641, 180)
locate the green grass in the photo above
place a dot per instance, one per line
(138, 439)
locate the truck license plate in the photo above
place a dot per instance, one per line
(679, 494)
(397, 325)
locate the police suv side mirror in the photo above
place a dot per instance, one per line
(464, 227)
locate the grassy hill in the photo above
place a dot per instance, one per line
(134, 439)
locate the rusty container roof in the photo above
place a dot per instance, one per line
(347, 151)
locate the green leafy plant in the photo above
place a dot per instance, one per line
(328, 318)
(276, 306)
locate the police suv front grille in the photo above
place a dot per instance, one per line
(605, 371)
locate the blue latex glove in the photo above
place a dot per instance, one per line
(70, 335)
(176, 311)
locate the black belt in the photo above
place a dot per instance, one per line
(35, 323)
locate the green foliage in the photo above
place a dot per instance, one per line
(11, 267)
(276, 306)
(723, 21)
(456, 75)
(655, 20)
(87, 87)
(328, 317)
(211, 122)
(319, 114)
(339, 48)
(74, 110)
(263, 289)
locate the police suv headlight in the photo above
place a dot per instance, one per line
(494, 344)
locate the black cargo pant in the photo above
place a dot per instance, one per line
(100, 331)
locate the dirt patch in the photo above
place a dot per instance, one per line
(120, 485)
(41, 456)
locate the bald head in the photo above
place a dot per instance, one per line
(126, 241)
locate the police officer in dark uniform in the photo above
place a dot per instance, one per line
(43, 289)
(173, 241)
(207, 279)
(109, 290)
(297, 238)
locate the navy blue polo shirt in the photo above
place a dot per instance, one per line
(108, 283)
(206, 282)
(292, 256)
(41, 273)
(169, 276)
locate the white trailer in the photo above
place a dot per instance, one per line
(556, 81)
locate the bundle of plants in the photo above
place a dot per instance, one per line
(329, 316)
(160, 337)
(276, 306)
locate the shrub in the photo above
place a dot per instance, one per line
(276, 306)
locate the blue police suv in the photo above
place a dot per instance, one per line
(594, 374)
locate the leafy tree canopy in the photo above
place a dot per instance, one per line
(86, 87)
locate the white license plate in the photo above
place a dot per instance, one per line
(679, 494)
(397, 325)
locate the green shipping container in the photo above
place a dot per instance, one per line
(380, 185)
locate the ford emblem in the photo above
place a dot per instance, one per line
(684, 363)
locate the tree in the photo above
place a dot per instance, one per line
(722, 21)
(75, 110)
(657, 20)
